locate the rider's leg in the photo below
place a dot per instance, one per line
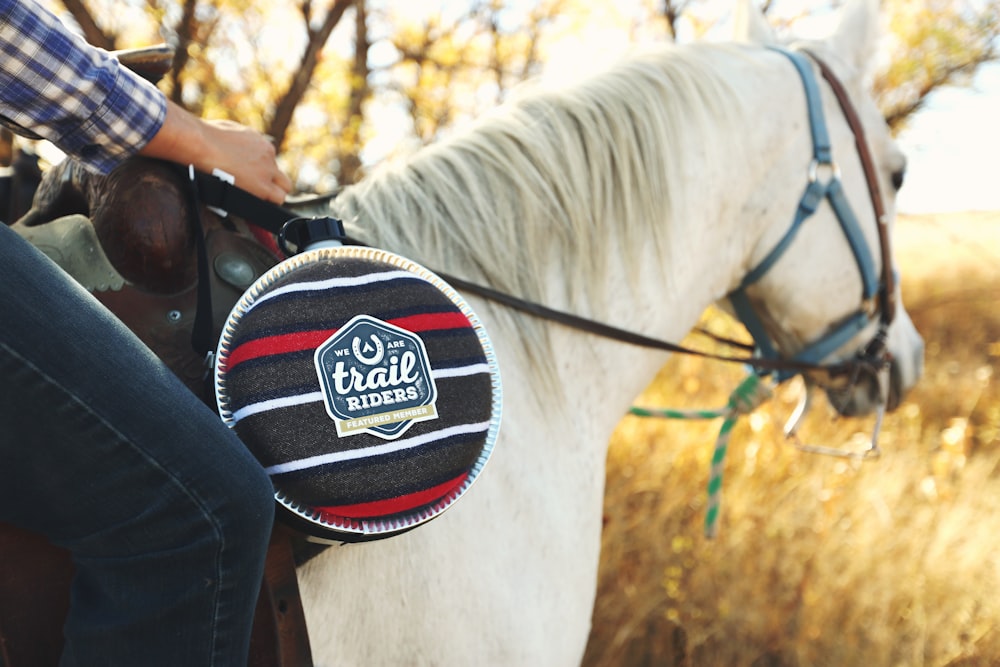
(105, 452)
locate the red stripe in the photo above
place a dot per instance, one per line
(262, 347)
(432, 321)
(310, 340)
(397, 504)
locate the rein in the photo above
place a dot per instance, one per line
(604, 330)
(871, 359)
(218, 191)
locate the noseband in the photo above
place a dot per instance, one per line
(875, 354)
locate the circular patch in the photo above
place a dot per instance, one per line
(365, 386)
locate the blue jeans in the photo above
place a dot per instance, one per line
(105, 452)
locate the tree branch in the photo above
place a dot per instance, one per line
(91, 31)
(350, 146)
(285, 108)
(899, 113)
(185, 35)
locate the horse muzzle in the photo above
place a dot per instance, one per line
(873, 385)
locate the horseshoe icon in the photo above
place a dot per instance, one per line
(368, 360)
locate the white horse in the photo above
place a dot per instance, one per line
(637, 198)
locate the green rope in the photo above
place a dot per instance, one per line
(746, 398)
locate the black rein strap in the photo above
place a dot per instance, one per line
(622, 335)
(218, 193)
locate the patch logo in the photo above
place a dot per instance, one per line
(376, 378)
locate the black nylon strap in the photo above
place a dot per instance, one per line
(202, 336)
(215, 192)
(210, 190)
(218, 193)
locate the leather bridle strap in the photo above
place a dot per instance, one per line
(590, 326)
(887, 292)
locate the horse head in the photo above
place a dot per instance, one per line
(820, 285)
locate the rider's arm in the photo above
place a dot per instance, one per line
(208, 145)
(76, 96)
(82, 100)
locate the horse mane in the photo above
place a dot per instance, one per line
(548, 178)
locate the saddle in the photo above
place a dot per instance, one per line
(19, 178)
(126, 238)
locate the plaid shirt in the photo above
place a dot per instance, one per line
(76, 96)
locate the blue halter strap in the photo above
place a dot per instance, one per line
(817, 190)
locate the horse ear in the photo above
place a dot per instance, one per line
(749, 24)
(856, 38)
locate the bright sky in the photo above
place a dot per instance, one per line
(953, 146)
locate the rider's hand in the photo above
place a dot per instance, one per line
(246, 154)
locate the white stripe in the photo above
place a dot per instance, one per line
(315, 397)
(275, 403)
(460, 371)
(333, 283)
(377, 450)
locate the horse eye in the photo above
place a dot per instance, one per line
(897, 179)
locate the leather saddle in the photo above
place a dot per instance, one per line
(128, 237)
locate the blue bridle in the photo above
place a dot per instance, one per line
(817, 191)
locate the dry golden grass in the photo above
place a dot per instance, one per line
(822, 561)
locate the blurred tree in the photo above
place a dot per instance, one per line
(449, 66)
(274, 65)
(671, 11)
(932, 44)
(341, 84)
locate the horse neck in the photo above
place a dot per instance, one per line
(651, 241)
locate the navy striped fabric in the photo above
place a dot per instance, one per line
(273, 397)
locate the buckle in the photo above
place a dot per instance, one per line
(814, 171)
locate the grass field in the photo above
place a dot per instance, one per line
(822, 561)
